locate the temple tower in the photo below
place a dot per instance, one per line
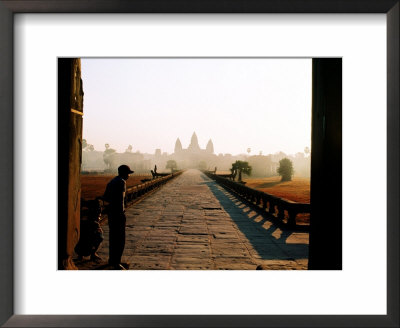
(178, 146)
(210, 147)
(194, 144)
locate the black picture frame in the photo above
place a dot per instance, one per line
(10, 7)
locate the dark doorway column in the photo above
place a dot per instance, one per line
(70, 111)
(326, 165)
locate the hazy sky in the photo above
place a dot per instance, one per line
(262, 104)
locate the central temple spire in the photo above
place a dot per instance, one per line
(194, 143)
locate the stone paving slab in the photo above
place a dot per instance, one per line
(192, 223)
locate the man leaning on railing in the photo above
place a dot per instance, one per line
(115, 196)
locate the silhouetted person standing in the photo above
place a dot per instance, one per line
(115, 195)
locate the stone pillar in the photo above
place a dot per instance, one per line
(326, 165)
(70, 111)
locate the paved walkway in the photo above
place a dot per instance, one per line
(193, 223)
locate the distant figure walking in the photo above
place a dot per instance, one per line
(155, 169)
(115, 196)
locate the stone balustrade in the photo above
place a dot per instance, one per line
(132, 194)
(273, 205)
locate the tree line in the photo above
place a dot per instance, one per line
(285, 169)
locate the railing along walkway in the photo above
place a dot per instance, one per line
(132, 195)
(274, 206)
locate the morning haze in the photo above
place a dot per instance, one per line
(242, 105)
(192, 133)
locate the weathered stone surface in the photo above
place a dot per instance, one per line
(234, 264)
(193, 239)
(281, 265)
(70, 106)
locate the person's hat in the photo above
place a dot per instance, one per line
(124, 169)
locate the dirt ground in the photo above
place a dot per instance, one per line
(94, 185)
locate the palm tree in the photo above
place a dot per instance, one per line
(108, 155)
(242, 167)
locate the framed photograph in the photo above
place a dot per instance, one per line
(353, 59)
(191, 223)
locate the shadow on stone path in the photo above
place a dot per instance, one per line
(193, 223)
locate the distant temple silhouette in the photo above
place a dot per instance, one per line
(191, 157)
(194, 147)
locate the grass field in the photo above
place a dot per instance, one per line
(94, 185)
(297, 190)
